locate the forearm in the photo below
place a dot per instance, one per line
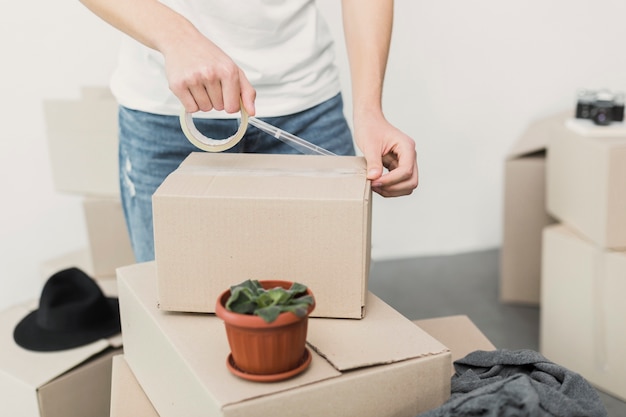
(147, 21)
(367, 31)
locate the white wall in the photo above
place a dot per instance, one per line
(464, 79)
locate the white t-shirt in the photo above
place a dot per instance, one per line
(283, 46)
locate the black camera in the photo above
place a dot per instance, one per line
(602, 107)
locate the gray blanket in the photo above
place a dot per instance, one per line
(520, 383)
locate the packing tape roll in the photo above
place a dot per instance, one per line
(207, 144)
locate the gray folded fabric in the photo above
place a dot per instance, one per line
(520, 383)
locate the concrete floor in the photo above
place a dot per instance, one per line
(463, 284)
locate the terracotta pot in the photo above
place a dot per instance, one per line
(260, 348)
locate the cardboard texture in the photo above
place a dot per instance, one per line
(380, 365)
(524, 213)
(582, 308)
(585, 185)
(69, 383)
(82, 141)
(458, 333)
(127, 396)
(220, 219)
(82, 260)
(109, 242)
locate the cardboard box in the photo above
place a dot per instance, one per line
(585, 185)
(127, 396)
(108, 239)
(69, 383)
(524, 213)
(380, 365)
(82, 141)
(582, 308)
(221, 219)
(108, 244)
(458, 333)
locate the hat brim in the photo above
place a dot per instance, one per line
(29, 335)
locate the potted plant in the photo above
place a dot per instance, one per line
(266, 326)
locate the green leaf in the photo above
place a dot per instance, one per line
(269, 314)
(250, 297)
(306, 299)
(253, 286)
(298, 288)
(264, 299)
(279, 295)
(299, 310)
(241, 300)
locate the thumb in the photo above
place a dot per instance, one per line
(248, 94)
(374, 166)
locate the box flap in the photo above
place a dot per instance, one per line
(537, 135)
(264, 176)
(198, 340)
(37, 368)
(382, 336)
(84, 391)
(458, 333)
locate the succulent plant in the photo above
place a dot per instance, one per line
(249, 297)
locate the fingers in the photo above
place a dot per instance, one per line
(220, 88)
(402, 177)
(216, 88)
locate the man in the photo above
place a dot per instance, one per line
(275, 58)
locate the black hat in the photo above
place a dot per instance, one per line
(72, 312)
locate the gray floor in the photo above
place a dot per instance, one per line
(463, 284)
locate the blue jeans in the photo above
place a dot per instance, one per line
(151, 146)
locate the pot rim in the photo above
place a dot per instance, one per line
(248, 320)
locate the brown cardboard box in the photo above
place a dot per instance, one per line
(585, 184)
(380, 365)
(82, 141)
(69, 383)
(582, 308)
(458, 333)
(127, 397)
(109, 242)
(221, 219)
(524, 213)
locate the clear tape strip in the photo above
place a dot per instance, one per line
(217, 145)
(269, 172)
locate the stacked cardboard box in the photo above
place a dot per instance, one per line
(584, 257)
(82, 141)
(524, 213)
(128, 398)
(67, 383)
(220, 219)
